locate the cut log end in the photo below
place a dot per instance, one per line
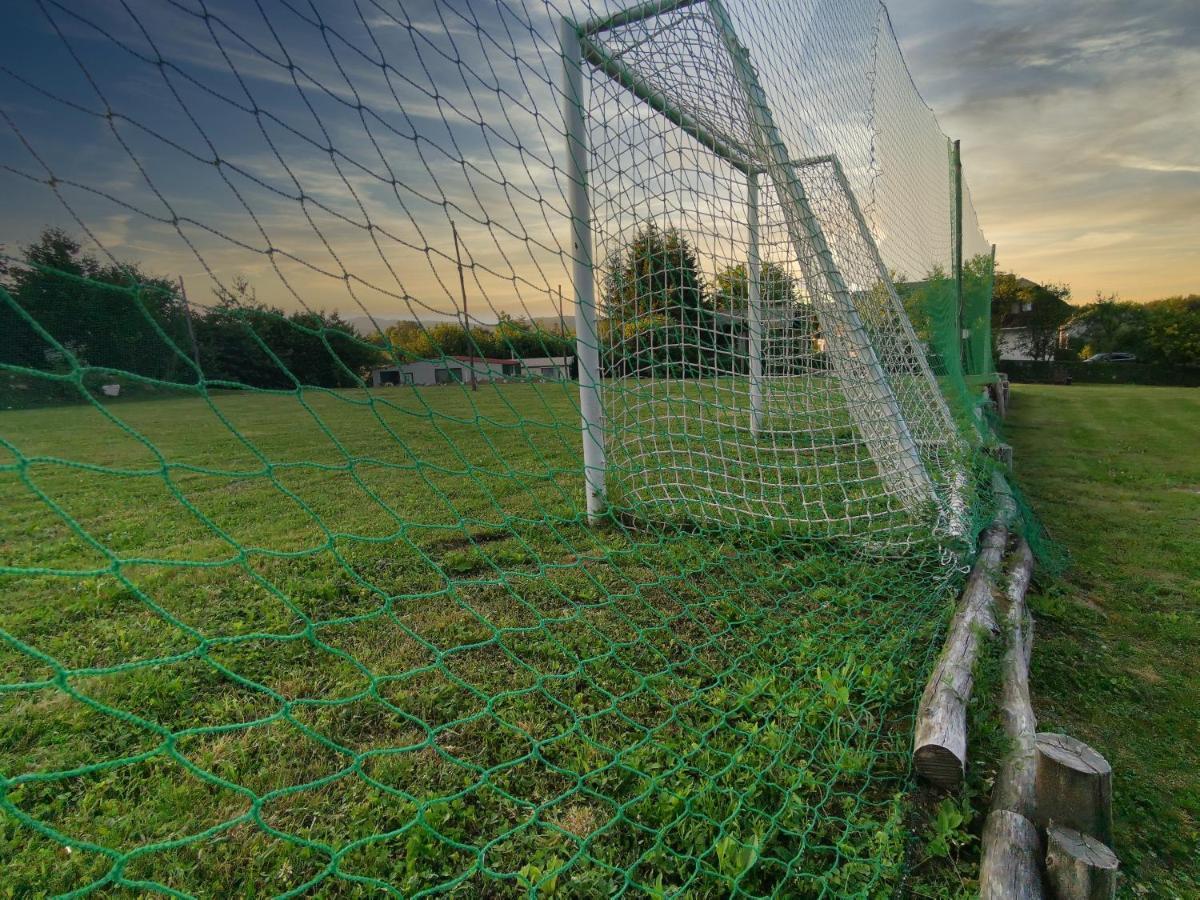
(1073, 753)
(1079, 867)
(939, 766)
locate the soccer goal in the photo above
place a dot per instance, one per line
(744, 357)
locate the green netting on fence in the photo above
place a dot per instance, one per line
(978, 278)
(295, 601)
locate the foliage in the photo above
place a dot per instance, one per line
(244, 342)
(777, 288)
(931, 307)
(1163, 332)
(510, 338)
(657, 273)
(659, 318)
(109, 316)
(116, 318)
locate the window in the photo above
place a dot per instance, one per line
(447, 376)
(511, 370)
(408, 377)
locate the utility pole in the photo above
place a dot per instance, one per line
(187, 318)
(462, 287)
(958, 249)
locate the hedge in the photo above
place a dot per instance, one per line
(1031, 372)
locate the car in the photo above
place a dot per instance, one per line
(1111, 358)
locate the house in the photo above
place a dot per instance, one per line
(1028, 320)
(457, 370)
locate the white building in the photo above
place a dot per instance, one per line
(457, 370)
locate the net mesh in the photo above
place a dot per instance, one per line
(297, 600)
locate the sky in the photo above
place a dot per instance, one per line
(326, 152)
(1080, 129)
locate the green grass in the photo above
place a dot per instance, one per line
(345, 641)
(1114, 472)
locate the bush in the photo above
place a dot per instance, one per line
(1035, 372)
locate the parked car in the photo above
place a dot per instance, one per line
(1111, 358)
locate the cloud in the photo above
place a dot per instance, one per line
(1152, 165)
(1079, 119)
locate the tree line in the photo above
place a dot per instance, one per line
(65, 310)
(510, 338)
(62, 310)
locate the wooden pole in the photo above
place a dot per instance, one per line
(1009, 869)
(1010, 845)
(462, 287)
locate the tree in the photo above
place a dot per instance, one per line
(246, 343)
(105, 316)
(656, 274)
(776, 290)
(1108, 325)
(658, 319)
(1173, 330)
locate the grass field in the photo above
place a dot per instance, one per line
(343, 642)
(1114, 472)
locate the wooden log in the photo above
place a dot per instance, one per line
(1011, 847)
(1000, 388)
(1014, 789)
(940, 742)
(1079, 867)
(1006, 504)
(1010, 867)
(1074, 786)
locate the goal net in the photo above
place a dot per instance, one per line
(474, 449)
(757, 366)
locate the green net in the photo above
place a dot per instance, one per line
(302, 601)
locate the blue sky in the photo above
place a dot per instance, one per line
(1080, 122)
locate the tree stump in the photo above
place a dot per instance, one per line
(1009, 868)
(1079, 867)
(1074, 786)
